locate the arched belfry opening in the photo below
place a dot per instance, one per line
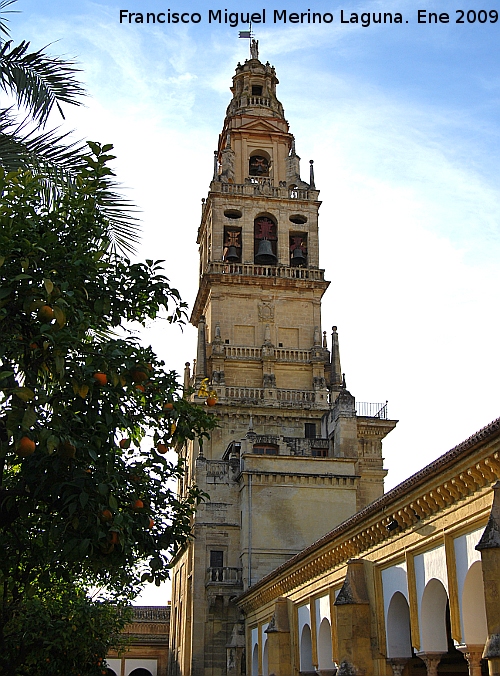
(259, 164)
(265, 240)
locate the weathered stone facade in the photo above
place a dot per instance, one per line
(409, 585)
(293, 456)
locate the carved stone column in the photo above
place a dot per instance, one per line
(473, 655)
(352, 609)
(432, 660)
(489, 546)
(398, 664)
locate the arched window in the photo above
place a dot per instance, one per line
(140, 672)
(298, 248)
(255, 660)
(325, 662)
(398, 627)
(473, 607)
(265, 241)
(433, 617)
(259, 164)
(306, 649)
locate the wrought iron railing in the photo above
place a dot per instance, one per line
(367, 409)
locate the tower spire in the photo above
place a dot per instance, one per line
(336, 378)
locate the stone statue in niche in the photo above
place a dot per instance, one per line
(269, 380)
(227, 165)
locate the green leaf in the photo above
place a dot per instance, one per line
(52, 443)
(29, 418)
(112, 502)
(49, 286)
(24, 393)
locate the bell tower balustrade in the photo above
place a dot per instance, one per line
(255, 270)
(263, 188)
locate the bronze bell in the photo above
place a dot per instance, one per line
(298, 257)
(232, 255)
(265, 254)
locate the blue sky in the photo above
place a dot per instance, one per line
(403, 122)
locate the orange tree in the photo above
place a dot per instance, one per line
(84, 497)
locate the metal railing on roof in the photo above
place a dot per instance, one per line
(367, 409)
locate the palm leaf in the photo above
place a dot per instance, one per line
(57, 160)
(3, 19)
(38, 81)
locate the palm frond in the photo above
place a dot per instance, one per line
(38, 81)
(3, 19)
(21, 147)
(57, 160)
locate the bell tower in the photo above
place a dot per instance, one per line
(291, 458)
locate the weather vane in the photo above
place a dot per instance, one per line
(254, 44)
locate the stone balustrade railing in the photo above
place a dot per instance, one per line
(263, 189)
(280, 353)
(255, 270)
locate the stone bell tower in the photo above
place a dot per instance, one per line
(291, 457)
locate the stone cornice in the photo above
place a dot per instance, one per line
(437, 487)
(337, 480)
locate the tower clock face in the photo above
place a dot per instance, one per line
(259, 166)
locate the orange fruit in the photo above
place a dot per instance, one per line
(168, 406)
(151, 523)
(138, 504)
(124, 443)
(46, 313)
(138, 375)
(161, 448)
(211, 401)
(100, 378)
(106, 515)
(67, 450)
(33, 346)
(25, 447)
(141, 388)
(113, 538)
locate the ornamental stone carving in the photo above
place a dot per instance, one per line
(266, 312)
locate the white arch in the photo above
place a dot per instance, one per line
(255, 660)
(306, 649)
(265, 659)
(473, 608)
(433, 617)
(398, 627)
(325, 645)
